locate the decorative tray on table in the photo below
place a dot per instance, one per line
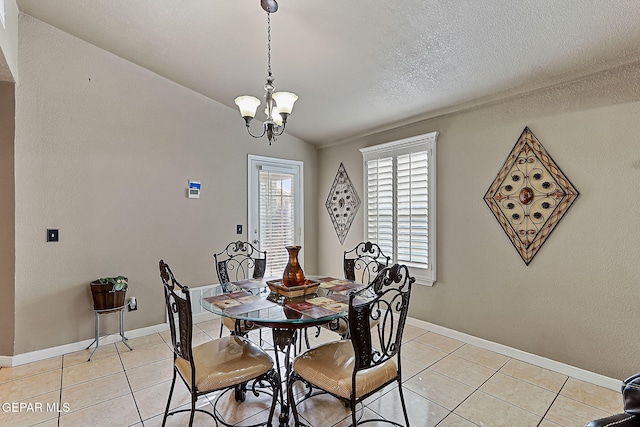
(309, 287)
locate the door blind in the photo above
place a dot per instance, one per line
(277, 220)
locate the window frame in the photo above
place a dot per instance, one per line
(424, 276)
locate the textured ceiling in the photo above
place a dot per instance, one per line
(359, 66)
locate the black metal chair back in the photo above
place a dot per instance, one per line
(240, 261)
(376, 327)
(178, 302)
(376, 323)
(364, 262)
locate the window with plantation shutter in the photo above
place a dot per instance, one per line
(400, 202)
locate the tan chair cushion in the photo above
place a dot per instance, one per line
(225, 362)
(330, 367)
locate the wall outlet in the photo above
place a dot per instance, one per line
(133, 304)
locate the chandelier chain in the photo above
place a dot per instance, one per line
(268, 43)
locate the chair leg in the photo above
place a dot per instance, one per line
(166, 411)
(240, 392)
(354, 415)
(290, 399)
(194, 398)
(404, 407)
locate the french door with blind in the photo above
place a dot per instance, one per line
(275, 208)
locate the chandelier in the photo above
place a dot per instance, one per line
(279, 104)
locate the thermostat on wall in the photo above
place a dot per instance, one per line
(194, 189)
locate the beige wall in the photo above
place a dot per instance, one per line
(577, 301)
(104, 152)
(7, 219)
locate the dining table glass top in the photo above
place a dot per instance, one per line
(253, 301)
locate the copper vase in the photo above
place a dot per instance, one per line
(293, 274)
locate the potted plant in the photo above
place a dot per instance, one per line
(109, 292)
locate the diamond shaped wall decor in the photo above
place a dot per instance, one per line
(529, 196)
(342, 203)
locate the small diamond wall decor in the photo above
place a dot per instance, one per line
(529, 196)
(342, 203)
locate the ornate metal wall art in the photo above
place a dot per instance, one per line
(342, 203)
(529, 196)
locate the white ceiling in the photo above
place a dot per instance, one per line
(359, 66)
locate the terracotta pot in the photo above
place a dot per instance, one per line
(293, 274)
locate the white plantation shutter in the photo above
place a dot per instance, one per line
(400, 202)
(412, 219)
(277, 218)
(380, 203)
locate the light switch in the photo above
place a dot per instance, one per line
(52, 235)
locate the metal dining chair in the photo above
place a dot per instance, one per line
(355, 368)
(361, 264)
(239, 261)
(226, 363)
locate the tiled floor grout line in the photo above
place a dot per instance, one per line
(61, 383)
(568, 383)
(470, 394)
(553, 401)
(135, 402)
(476, 389)
(575, 400)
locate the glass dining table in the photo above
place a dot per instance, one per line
(253, 303)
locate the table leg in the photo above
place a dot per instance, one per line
(283, 340)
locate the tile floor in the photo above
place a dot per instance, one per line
(447, 383)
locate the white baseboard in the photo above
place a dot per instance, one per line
(46, 353)
(34, 356)
(543, 362)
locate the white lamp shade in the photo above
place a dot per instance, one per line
(285, 101)
(247, 105)
(275, 116)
